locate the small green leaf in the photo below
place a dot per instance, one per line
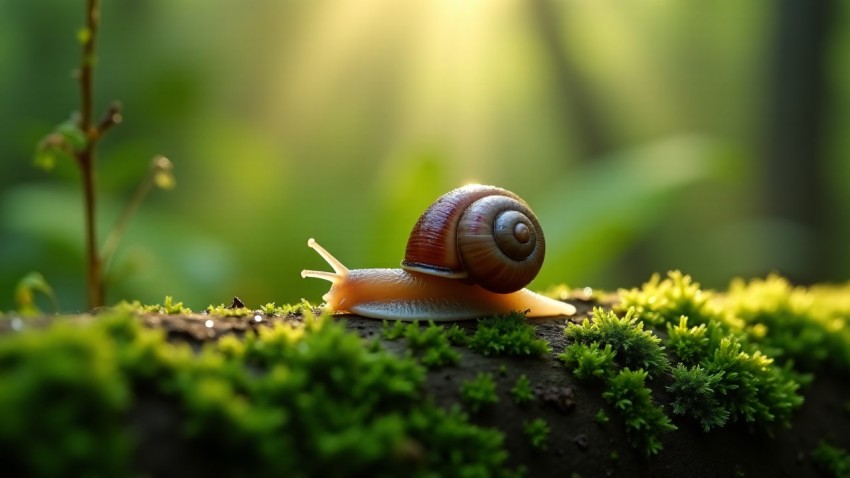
(72, 134)
(25, 293)
(45, 159)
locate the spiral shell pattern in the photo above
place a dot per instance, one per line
(483, 233)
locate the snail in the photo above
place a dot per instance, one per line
(470, 255)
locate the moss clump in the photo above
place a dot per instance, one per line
(695, 392)
(747, 385)
(521, 391)
(222, 310)
(430, 342)
(660, 301)
(168, 307)
(588, 361)
(479, 392)
(645, 421)
(632, 346)
(314, 400)
(537, 432)
(62, 400)
(601, 417)
(832, 461)
(806, 325)
(507, 335)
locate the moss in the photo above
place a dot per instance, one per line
(832, 461)
(588, 361)
(457, 336)
(479, 392)
(167, 307)
(631, 345)
(645, 421)
(507, 335)
(659, 301)
(521, 391)
(537, 432)
(695, 392)
(312, 399)
(62, 398)
(806, 325)
(222, 310)
(430, 343)
(601, 417)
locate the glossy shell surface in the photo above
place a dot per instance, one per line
(485, 234)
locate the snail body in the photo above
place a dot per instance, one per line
(470, 255)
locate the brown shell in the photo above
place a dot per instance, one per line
(484, 233)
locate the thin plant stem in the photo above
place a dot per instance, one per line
(86, 156)
(158, 165)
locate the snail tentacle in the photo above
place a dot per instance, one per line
(340, 271)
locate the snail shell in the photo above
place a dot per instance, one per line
(485, 234)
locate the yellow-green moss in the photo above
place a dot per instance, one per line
(314, 399)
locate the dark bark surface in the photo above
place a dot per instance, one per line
(577, 443)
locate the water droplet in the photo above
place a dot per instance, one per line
(258, 318)
(17, 324)
(587, 291)
(209, 324)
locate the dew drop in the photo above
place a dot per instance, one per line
(258, 318)
(209, 324)
(587, 291)
(17, 324)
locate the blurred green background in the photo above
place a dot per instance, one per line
(648, 135)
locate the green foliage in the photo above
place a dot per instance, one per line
(692, 345)
(832, 461)
(537, 432)
(694, 395)
(62, 402)
(312, 399)
(394, 331)
(658, 301)
(457, 336)
(26, 290)
(507, 335)
(168, 307)
(632, 346)
(601, 417)
(222, 310)
(721, 380)
(60, 144)
(478, 392)
(645, 421)
(522, 391)
(752, 388)
(431, 342)
(806, 325)
(588, 361)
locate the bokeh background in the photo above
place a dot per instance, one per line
(710, 137)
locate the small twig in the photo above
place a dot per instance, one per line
(111, 118)
(159, 165)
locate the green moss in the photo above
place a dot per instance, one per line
(507, 335)
(521, 391)
(62, 399)
(167, 307)
(312, 399)
(695, 392)
(806, 325)
(457, 336)
(832, 461)
(479, 392)
(588, 361)
(632, 346)
(601, 417)
(645, 421)
(537, 432)
(430, 343)
(659, 301)
(222, 310)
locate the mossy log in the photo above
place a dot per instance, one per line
(201, 397)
